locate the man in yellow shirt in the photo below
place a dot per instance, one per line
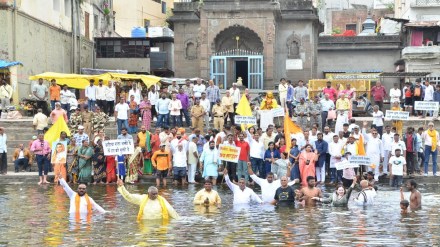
(343, 104)
(151, 206)
(207, 196)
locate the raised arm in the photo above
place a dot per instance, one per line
(402, 196)
(228, 181)
(254, 177)
(70, 193)
(132, 198)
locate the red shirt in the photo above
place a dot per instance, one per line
(378, 93)
(244, 151)
(331, 93)
(409, 143)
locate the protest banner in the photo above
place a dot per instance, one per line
(344, 165)
(360, 160)
(245, 120)
(59, 152)
(426, 106)
(266, 118)
(118, 147)
(278, 112)
(396, 115)
(229, 153)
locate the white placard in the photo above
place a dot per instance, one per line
(266, 118)
(426, 106)
(344, 165)
(294, 64)
(118, 147)
(397, 115)
(278, 112)
(245, 120)
(360, 160)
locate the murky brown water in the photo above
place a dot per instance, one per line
(38, 216)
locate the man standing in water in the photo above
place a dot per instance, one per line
(366, 196)
(151, 206)
(415, 199)
(80, 202)
(306, 194)
(242, 194)
(207, 196)
(284, 195)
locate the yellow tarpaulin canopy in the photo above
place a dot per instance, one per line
(82, 81)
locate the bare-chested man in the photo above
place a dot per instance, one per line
(415, 199)
(306, 194)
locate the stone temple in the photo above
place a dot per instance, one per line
(260, 41)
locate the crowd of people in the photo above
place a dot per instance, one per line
(267, 157)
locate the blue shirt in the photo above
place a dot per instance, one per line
(437, 96)
(327, 104)
(322, 148)
(290, 91)
(294, 151)
(200, 142)
(162, 106)
(276, 155)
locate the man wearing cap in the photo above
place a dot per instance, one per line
(161, 161)
(302, 112)
(374, 150)
(40, 121)
(87, 117)
(217, 114)
(315, 109)
(58, 112)
(197, 115)
(80, 136)
(90, 92)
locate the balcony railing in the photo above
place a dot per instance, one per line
(427, 2)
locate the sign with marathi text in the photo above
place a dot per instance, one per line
(360, 160)
(228, 153)
(397, 115)
(245, 120)
(278, 112)
(426, 106)
(118, 147)
(344, 165)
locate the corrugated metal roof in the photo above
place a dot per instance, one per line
(423, 24)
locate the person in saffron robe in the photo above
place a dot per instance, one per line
(98, 160)
(85, 154)
(307, 160)
(269, 102)
(151, 206)
(398, 124)
(80, 202)
(145, 111)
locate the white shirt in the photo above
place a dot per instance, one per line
(242, 196)
(110, 94)
(395, 94)
(65, 96)
(282, 89)
(179, 158)
(335, 149)
(328, 137)
(205, 104)
(174, 107)
(122, 110)
(100, 92)
(3, 147)
(137, 95)
(40, 121)
(256, 148)
(378, 118)
(352, 148)
(73, 104)
(374, 145)
(429, 93)
(267, 189)
(398, 145)
(192, 147)
(198, 90)
(428, 140)
(420, 143)
(387, 140)
(235, 94)
(91, 92)
(397, 164)
(153, 97)
(370, 195)
(175, 142)
(82, 202)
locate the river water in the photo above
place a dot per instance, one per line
(38, 215)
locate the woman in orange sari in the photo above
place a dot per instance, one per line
(307, 160)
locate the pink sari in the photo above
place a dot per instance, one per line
(305, 169)
(146, 113)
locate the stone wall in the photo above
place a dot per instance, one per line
(340, 18)
(40, 47)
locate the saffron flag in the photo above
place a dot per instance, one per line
(360, 145)
(54, 132)
(289, 128)
(244, 109)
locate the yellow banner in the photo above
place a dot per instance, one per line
(229, 153)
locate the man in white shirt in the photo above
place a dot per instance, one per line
(328, 137)
(387, 140)
(374, 149)
(235, 94)
(175, 106)
(179, 161)
(100, 96)
(91, 95)
(3, 152)
(335, 150)
(198, 89)
(256, 153)
(5, 94)
(327, 105)
(153, 96)
(429, 96)
(395, 93)
(65, 96)
(136, 92)
(397, 168)
(193, 159)
(431, 139)
(162, 111)
(398, 144)
(366, 196)
(206, 104)
(40, 121)
(242, 194)
(110, 97)
(282, 90)
(121, 114)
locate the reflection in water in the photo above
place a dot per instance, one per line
(41, 215)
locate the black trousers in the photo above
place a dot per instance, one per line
(43, 105)
(110, 107)
(3, 163)
(410, 166)
(230, 115)
(102, 105)
(232, 171)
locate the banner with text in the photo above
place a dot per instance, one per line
(396, 115)
(245, 120)
(426, 106)
(278, 112)
(118, 147)
(360, 160)
(229, 153)
(344, 165)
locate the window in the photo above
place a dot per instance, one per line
(126, 48)
(67, 7)
(56, 5)
(164, 7)
(95, 22)
(146, 24)
(352, 27)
